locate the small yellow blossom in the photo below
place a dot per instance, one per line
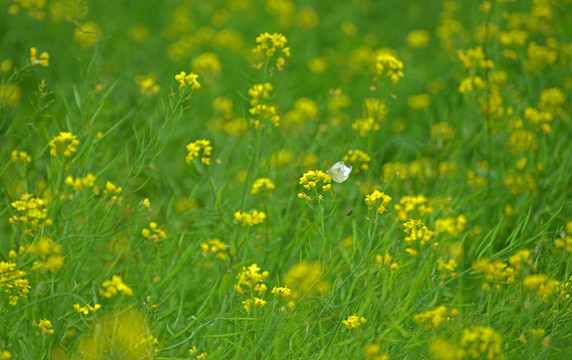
(147, 84)
(65, 142)
(86, 309)
(187, 80)
(379, 199)
(257, 302)
(215, 246)
(255, 217)
(81, 183)
(154, 232)
(250, 277)
(310, 181)
(45, 325)
(267, 46)
(354, 321)
(262, 184)
(391, 66)
(43, 60)
(114, 286)
(12, 282)
(30, 211)
(195, 149)
(281, 291)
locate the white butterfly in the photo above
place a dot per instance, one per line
(339, 172)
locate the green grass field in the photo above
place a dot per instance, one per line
(166, 190)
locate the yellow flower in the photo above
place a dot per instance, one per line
(45, 325)
(87, 34)
(195, 149)
(417, 39)
(187, 80)
(354, 321)
(262, 184)
(281, 291)
(114, 286)
(86, 309)
(267, 46)
(43, 60)
(391, 66)
(255, 217)
(66, 142)
(379, 199)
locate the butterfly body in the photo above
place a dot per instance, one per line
(339, 172)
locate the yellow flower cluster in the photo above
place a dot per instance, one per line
(355, 156)
(543, 285)
(386, 260)
(417, 232)
(147, 84)
(263, 111)
(251, 278)
(45, 325)
(433, 318)
(12, 282)
(354, 321)
(365, 125)
(521, 257)
(154, 232)
(447, 267)
(20, 155)
(50, 252)
(65, 142)
(81, 183)
(391, 65)
(565, 240)
(482, 340)
(310, 181)
(207, 63)
(258, 92)
(255, 217)
(496, 271)
(475, 58)
(379, 200)
(268, 44)
(519, 183)
(476, 180)
(10, 95)
(255, 301)
(114, 286)
(195, 148)
(283, 291)
(304, 109)
(452, 226)
(86, 309)
(409, 204)
(215, 246)
(187, 80)
(43, 60)
(305, 278)
(262, 184)
(418, 39)
(32, 212)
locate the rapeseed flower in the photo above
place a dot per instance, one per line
(310, 181)
(45, 325)
(267, 46)
(255, 301)
(43, 60)
(200, 148)
(187, 80)
(86, 309)
(251, 278)
(379, 200)
(391, 66)
(355, 156)
(215, 246)
(354, 321)
(255, 217)
(115, 286)
(154, 232)
(65, 142)
(262, 184)
(482, 340)
(30, 211)
(12, 282)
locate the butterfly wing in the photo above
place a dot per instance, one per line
(339, 172)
